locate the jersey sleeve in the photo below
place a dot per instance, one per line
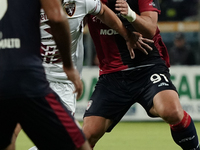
(149, 5)
(93, 6)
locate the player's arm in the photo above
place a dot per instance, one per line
(145, 23)
(108, 17)
(133, 40)
(61, 33)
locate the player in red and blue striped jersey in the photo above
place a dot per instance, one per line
(143, 79)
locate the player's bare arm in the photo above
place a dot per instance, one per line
(133, 40)
(61, 33)
(145, 23)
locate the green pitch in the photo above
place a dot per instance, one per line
(128, 136)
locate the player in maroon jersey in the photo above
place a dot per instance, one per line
(124, 81)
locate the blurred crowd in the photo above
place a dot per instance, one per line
(179, 10)
(181, 53)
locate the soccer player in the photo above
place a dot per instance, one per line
(25, 95)
(145, 79)
(75, 12)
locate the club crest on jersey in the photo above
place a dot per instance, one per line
(69, 8)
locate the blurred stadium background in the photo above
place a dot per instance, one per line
(137, 130)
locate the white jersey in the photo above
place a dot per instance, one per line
(75, 12)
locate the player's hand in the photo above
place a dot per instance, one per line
(74, 76)
(122, 7)
(136, 41)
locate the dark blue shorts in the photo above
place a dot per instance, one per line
(44, 119)
(116, 92)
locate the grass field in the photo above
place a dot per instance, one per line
(128, 136)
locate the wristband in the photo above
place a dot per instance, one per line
(131, 16)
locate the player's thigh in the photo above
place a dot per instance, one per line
(166, 104)
(95, 125)
(110, 100)
(158, 83)
(49, 124)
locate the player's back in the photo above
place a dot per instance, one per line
(20, 61)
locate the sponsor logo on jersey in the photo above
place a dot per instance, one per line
(9, 43)
(104, 31)
(163, 84)
(69, 8)
(108, 32)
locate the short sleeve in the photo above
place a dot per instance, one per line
(149, 5)
(93, 6)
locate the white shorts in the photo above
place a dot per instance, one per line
(65, 91)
